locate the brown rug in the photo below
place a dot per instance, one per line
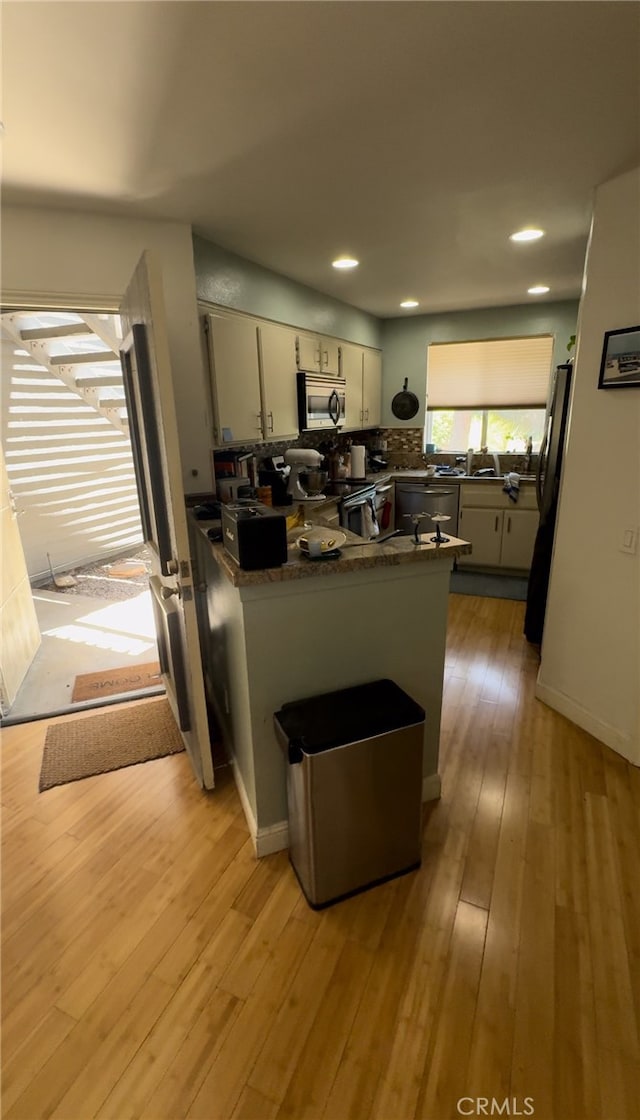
(109, 682)
(108, 741)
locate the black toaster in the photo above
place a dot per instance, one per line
(255, 535)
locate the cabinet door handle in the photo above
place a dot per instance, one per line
(509, 524)
(326, 358)
(318, 356)
(366, 415)
(270, 417)
(259, 419)
(497, 518)
(361, 414)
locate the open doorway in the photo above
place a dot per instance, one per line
(75, 506)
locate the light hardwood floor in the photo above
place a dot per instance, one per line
(152, 968)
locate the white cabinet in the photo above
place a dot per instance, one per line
(518, 537)
(483, 529)
(371, 389)
(362, 370)
(502, 534)
(318, 354)
(352, 373)
(253, 378)
(277, 351)
(233, 354)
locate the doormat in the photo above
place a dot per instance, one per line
(489, 586)
(108, 741)
(109, 682)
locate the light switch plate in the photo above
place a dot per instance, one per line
(629, 541)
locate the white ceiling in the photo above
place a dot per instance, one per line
(416, 136)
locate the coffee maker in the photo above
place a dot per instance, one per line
(274, 473)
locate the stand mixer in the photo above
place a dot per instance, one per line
(304, 461)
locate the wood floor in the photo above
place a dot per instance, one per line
(152, 968)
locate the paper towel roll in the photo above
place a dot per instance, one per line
(357, 468)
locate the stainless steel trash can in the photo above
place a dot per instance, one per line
(354, 787)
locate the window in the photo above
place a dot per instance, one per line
(500, 430)
(488, 394)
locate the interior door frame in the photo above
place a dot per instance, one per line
(44, 302)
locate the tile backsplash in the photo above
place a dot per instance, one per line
(403, 449)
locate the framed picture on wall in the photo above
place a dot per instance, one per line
(620, 365)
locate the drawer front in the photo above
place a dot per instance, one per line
(490, 495)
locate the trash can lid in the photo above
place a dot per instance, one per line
(334, 719)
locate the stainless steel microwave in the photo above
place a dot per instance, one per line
(321, 401)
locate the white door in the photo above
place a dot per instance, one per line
(233, 354)
(372, 389)
(329, 356)
(18, 622)
(279, 385)
(154, 439)
(352, 373)
(308, 354)
(518, 538)
(483, 529)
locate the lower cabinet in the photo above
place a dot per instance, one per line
(501, 537)
(519, 528)
(483, 529)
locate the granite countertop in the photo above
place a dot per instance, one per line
(408, 474)
(359, 556)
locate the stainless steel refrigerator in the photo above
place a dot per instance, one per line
(547, 489)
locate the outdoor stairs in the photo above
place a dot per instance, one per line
(83, 354)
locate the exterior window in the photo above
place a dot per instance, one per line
(488, 394)
(501, 430)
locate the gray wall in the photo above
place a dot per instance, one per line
(231, 281)
(405, 341)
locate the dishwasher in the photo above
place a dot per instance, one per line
(419, 497)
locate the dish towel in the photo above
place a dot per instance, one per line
(370, 527)
(512, 485)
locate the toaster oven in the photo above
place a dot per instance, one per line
(254, 535)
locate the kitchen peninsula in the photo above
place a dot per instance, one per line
(312, 626)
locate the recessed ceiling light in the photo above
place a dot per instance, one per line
(409, 303)
(345, 262)
(527, 235)
(538, 290)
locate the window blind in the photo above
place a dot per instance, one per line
(498, 373)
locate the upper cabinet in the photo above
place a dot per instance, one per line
(352, 357)
(253, 379)
(253, 366)
(277, 348)
(318, 354)
(362, 369)
(235, 378)
(371, 389)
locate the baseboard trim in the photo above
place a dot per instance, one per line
(274, 838)
(244, 799)
(600, 730)
(431, 787)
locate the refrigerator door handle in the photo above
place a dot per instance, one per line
(541, 460)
